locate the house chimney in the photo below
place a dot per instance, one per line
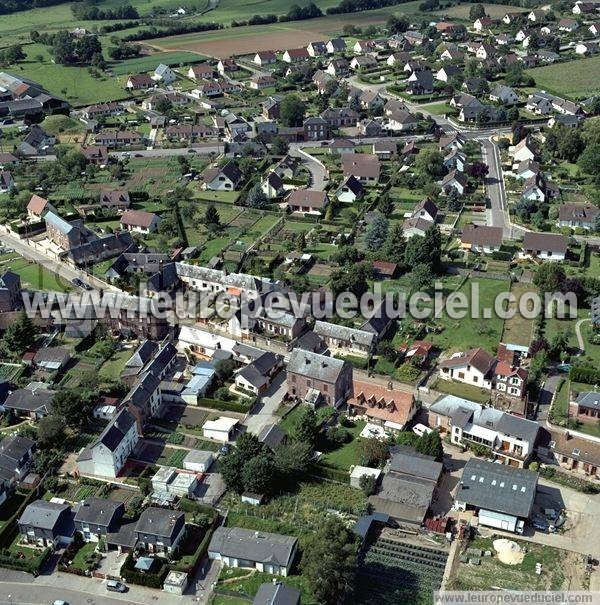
(567, 435)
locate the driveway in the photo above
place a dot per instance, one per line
(318, 173)
(263, 412)
(545, 397)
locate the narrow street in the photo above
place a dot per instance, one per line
(264, 411)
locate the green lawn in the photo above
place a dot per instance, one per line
(111, 369)
(79, 561)
(36, 277)
(571, 78)
(469, 332)
(459, 389)
(348, 454)
(518, 330)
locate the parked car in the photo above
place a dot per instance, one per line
(77, 282)
(115, 586)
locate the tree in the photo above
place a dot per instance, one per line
(385, 205)
(368, 484)
(12, 54)
(258, 474)
(353, 279)
(476, 12)
(329, 562)
(453, 201)
(19, 335)
(224, 369)
(549, 277)
(231, 466)
(292, 458)
(373, 452)
(589, 160)
(292, 110)
(51, 431)
(397, 24)
(305, 428)
(394, 248)
(279, 146)
(430, 163)
(478, 170)
(72, 406)
(164, 105)
(376, 233)
(212, 218)
(420, 277)
(256, 198)
(430, 444)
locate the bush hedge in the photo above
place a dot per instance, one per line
(31, 566)
(224, 406)
(585, 374)
(150, 580)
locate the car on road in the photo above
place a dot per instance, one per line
(77, 282)
(191, 151)
(138, 155)
(115, 586)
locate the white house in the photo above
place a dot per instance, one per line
(272, 185)
(107, 456)
(350, 190)
(226, 178)
(222, 429)
(163, 73)
(523, 151)
(545, 246)
(472, 367)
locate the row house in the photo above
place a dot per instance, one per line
(189, 132)
(340, 117)
(101, 110)
(118, 138)
(345, 340)
(582, 216)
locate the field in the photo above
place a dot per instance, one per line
(150, 62)
(73, 83)
(278, 36)
(572, 79)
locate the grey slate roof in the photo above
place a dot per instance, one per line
(325, 329)
(247, 544)
(158, 521)
(424, 467)
(315, 366)
(276, 594)
(46, 515)
(589, 399)
(99, 511)
(497, 487)
(271, 435)
(34, 398)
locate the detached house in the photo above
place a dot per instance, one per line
(311, 377)
(159, 530)
(97, 517)
(264, 57)
(227, 178)
(139, 82)
(163, 73)
(294, 55)
(46, 524)
(474, 367)
(336, 45)
(511, 439)
(480, 238)
(140, 221)
(454, 180)
(364, 167)
(545, 246)
(107, 455)
(350, 190)
(272, 185)
(582, 216)
(307, 201)
(338, 68)
(263, 551)
(504, 94)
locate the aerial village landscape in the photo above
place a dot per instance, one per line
(226, 158)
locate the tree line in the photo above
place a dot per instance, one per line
(90, 12)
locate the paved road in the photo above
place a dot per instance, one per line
(76, 590)
(494, 186)
(580, 341)
(319, 176)
(264, 411)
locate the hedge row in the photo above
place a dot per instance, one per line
(31, 566)
(224, 406)
(585, 374)
(150, 580)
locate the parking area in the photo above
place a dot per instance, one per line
(111, 562)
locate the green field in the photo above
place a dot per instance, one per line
(75, 84)
(572, 79)
(151, 62)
